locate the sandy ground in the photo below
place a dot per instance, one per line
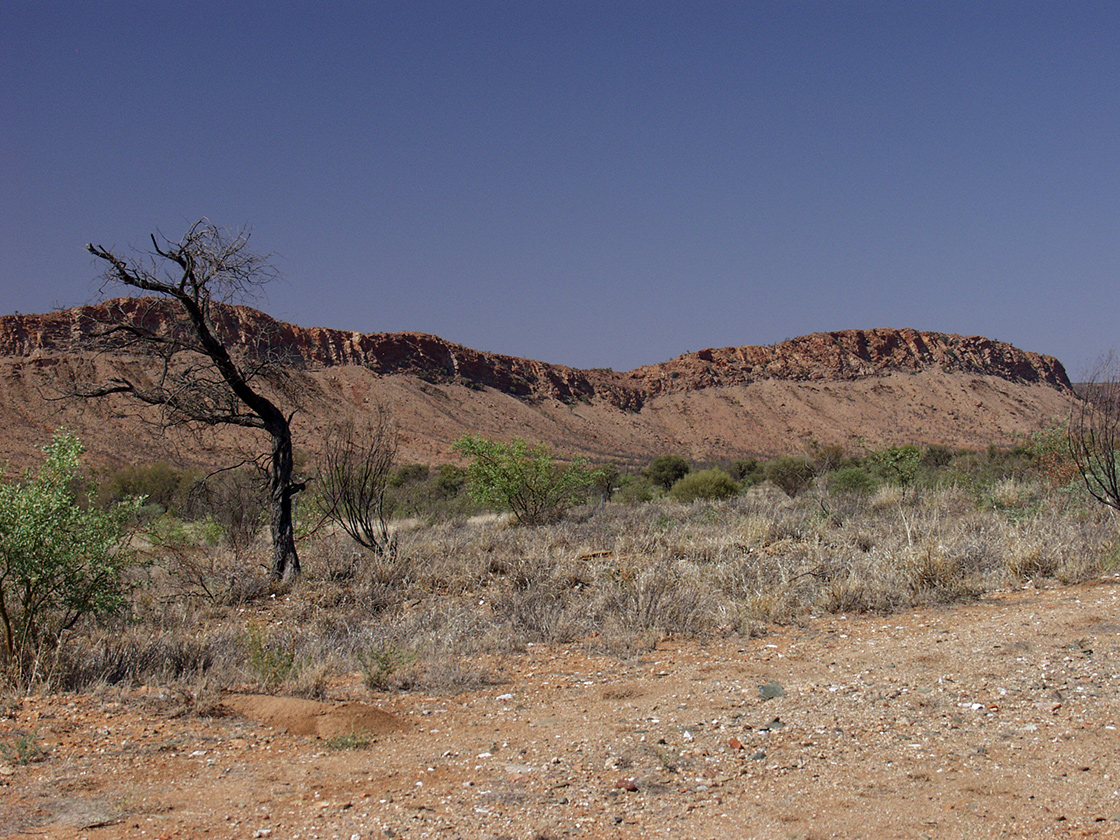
(993, 719)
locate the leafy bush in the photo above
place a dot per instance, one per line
(604, 481)
(433, 494)
(237, 501)
(162, 487)
(851, 480)
(896, 464)
(58, 562)
(747, 471)
(524, 479)
(634, 490)
(705, 484)
(666, 470)
(791, 473)
(410, 474)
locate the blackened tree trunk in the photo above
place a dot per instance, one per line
(200, 382)
(281, 491)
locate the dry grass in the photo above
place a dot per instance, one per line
(617, 579)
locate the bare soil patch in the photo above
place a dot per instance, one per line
(993, 719)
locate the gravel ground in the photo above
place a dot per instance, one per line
(992, 719)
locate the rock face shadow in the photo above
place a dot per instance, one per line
(313, 718)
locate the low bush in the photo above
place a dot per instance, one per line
(851, 480)
(458, 595)
(59, 563)
(522, 478)
(791, 473)
(705, 484)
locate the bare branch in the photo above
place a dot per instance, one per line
(357, 462)
(1094, 433)
(203, 379)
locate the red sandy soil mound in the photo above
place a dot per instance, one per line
(309, 717)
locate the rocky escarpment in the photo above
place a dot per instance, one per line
(845, 355)
(852, 354)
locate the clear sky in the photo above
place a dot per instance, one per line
(599, 184)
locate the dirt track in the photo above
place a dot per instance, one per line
(995, 719)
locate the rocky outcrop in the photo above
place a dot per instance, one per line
(848, 355)
(856, 388)
(821, 357)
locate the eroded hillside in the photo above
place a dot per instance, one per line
(855, 387)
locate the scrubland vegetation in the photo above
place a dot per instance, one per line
(616, 562)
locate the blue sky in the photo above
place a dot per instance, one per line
(599, 184)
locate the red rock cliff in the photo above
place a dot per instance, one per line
(834, 356)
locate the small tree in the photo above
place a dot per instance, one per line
(666, 470)
(523, 478)
(199, 380)
(356, 468)
(604, 481)
(1094, 434)
(791, 473)
(58, 562)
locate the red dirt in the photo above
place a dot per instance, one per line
(993, 719)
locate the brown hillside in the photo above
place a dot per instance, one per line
(854, 387)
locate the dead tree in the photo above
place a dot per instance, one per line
(357, 463)
(1094, 434)
(200, 381)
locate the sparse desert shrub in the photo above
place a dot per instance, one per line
(791, 473)
(356, 465)
(705, 484)
(851, 480)
(936, 457)
(379, 665)
(58, 562)
(666, 470)
(410, 474)
(605, 479)
(416, 490)
(22, 747)
(163, 488)
(460, 592)
(887, 496)
(895, 464)
(523, 478)
(634, 490)
(235, 501)
(747, 471)
(272, 658)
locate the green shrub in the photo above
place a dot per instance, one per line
(666, 470)
(433, 494)
(236, 501)
(746, 471)
(163, 488)
(634, 490)
(523, 478)
(605, 479)
(936, 457)
(851, 480)
(58, 562)
(705, 484)
(791, 473)
(410, 474)
(895, 464)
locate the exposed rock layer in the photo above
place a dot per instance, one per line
(821, 357)
(858, 387)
